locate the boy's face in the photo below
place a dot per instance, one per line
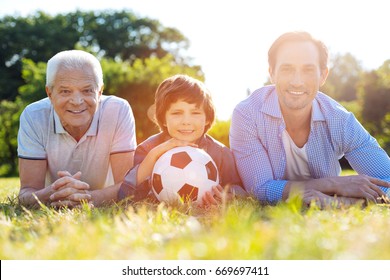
(185, 121)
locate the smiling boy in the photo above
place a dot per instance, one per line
(184, 114)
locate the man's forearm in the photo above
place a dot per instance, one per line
(29, 196)
(105, 196)
(324, 185)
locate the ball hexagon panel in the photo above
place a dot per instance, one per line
(157, 184)
(188, 193)
(212, 172)
(180, 160)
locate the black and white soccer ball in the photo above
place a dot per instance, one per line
(184, 174)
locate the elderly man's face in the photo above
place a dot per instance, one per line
(75, 97)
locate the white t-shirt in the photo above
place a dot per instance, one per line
(297, 168)
(42, 136)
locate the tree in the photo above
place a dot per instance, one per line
(30, 38)
(374, 96)
(344, 74)
(118, 35)
(9, 119)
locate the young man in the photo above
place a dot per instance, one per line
(290, 136)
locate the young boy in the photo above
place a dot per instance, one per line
(184, 113)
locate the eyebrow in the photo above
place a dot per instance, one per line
(287, 65)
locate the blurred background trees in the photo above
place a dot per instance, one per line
(136, 55)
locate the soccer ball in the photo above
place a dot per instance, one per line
(184, 174)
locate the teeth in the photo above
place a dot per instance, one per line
(297, 92)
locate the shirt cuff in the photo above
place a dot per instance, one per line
(271, 192)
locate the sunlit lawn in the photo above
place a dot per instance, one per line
(242, 230)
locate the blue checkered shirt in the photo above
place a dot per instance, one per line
(256, 141)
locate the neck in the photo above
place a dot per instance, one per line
(76, 132)
(298, 125)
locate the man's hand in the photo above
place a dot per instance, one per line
(69, 191)
(359, 186)
(323, 200)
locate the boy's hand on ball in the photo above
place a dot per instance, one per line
(217, 196)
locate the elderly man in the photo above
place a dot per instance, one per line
(290, 136)
(77, 144)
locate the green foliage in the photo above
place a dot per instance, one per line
(344, 74)
(34, 74)
(220, 131)
(118, 35)
(9, 120)
(374, 95)
(242, 230)
(354, 107)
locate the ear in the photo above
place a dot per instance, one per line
(48, 92)
(101, 91)
(324, 75)
(271, 75)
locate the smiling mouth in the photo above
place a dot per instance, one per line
(76, 112)
(296, 92)
(186, 131)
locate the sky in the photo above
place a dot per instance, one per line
(230, 39)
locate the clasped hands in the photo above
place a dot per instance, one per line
(69, 191)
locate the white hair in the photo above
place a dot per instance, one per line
(70, 60)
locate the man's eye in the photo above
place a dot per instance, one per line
(88, 91)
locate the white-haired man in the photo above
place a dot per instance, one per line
(77, 144)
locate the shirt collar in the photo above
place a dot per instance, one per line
(272, 108)
(271, 104)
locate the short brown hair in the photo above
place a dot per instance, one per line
(187, 89)
(297, 36)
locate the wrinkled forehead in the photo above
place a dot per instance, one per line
(75, 77)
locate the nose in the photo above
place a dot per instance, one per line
(77, 98)
(186, 119)
(297, 79)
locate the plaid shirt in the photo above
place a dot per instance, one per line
(256, 141)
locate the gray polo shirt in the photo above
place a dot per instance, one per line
(42, 136)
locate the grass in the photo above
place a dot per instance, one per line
(241, 230)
